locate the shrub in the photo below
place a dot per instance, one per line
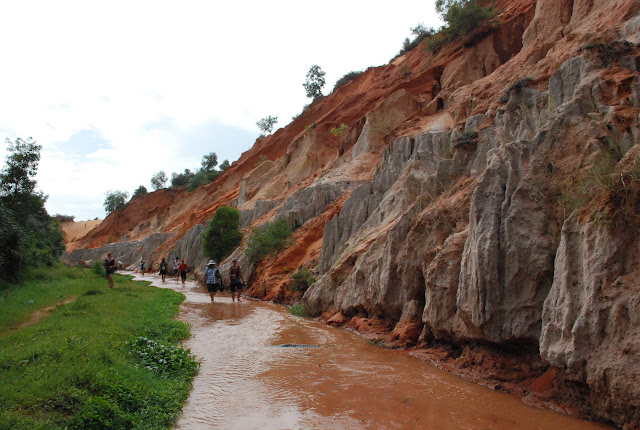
(302, 280)
(346, 79)
(162, 358)
(463, 16)
(158, 180)
(267, 239)
(420, 33)
(340, 131)
(266, 124)
(140, 191)
(223, 233)
(98, 268)
(261, 160)
(298, 310)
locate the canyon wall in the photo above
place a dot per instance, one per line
(486, 197)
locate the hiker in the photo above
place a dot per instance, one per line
(182, 268)
(213, 279)
(176, 264)
(142, 267)
(163, 269)
(110, 268)
(236, 281)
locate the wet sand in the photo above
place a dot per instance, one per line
(247, 381)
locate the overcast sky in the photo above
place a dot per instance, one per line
(116, 91)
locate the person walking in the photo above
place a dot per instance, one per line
(176, 264)
(236, 281)
(213, 279)
(110, 268)
(183, 271)
(163, 269)
(142, 267)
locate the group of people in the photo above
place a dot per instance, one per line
(213, 280)
(213, 276)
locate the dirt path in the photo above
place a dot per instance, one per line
(41, 314)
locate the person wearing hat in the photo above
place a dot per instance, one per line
(212, 279)
(236, 280)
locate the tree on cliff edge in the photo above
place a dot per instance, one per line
(462, 16)
(314, 83)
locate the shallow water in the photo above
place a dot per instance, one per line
(247, 382)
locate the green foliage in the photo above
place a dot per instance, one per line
(140, 191)
(346, 79)
(298, 310)
(162, 358)
(181, 180)
(115, 200)
(76, 368)
(420, 32)
(463, 16)
(13, 252)
(268, 238)
(340, 131)
(266, 124)
(159, 180)
(209, 162)
(98, 268)
(261, 160)
(63, 218)
(302, 280)
(224, 166)
(314, 82)
(202, 178)
(223, 234)
(28, 234)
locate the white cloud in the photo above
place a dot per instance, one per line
(163, 83)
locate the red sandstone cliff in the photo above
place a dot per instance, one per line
(484, 205)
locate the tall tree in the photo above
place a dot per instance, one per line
(114, 200)
(159, 180)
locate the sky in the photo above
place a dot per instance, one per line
(116, 91)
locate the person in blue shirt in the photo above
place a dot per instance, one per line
(213, 279)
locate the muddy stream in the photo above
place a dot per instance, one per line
(248, 381)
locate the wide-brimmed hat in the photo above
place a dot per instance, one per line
(211, 262)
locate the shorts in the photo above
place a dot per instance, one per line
(163, 272)
(212, 288)
(235, 286)
(183, 275)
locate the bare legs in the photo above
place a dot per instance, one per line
(110, 279)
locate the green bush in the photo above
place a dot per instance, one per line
(302, 280)
(162, 358)
(267, 239)
(98, 268)
(463, 16)
(346, 79)
(223, 233)
(298, 310)
(339, 131)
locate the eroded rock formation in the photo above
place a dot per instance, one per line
(483, 205)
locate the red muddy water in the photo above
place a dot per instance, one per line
(247, 381)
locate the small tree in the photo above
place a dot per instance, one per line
(223, 233)
(224, 166)
(141, 190)
(266, 124)
(268, 238)
(115, 200)
(209, 162)
(159, 180)
(314, 82)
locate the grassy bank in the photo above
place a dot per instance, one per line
(107, 359)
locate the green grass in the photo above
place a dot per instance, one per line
(109, 359)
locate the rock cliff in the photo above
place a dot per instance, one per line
(483, 206)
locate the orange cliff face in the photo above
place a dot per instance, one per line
(459, 212)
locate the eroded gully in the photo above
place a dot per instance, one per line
(246, 381)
